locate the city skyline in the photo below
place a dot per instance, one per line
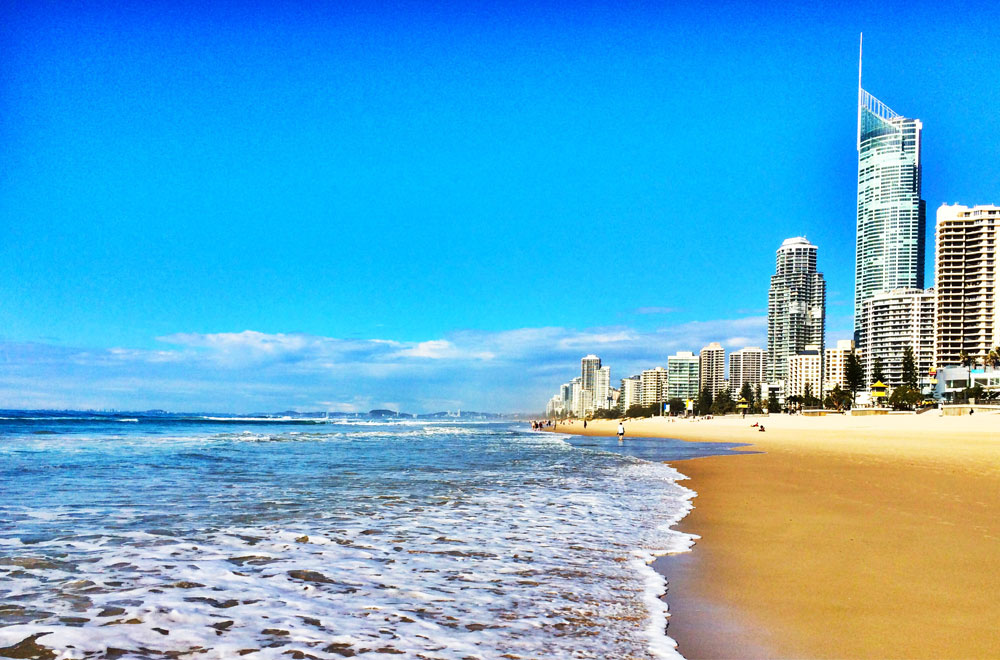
(309, 210)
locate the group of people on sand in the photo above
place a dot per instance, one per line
(538, 425)
(760, 427)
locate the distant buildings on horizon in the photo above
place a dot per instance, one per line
(949, 329)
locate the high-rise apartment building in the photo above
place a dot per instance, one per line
(796, 306)
(653, 386)
(629, 394)
(574, 402)
(712, 368)
(746, 366)
(602, 388)
(891, 215)
(891, 321)
(805, 369)
(682, 375)
(588, 370)
(589, 398)
(966, 280)
(835, 364)
(566, 394)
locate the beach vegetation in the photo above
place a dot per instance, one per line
(910, 377)
(643, 411)
(676, 406)
(838, 398)
(746, 393)
(773, 405)
(854, 374)
(724, 404)
(993, 357)
(809, 400)
(905, 397)
(704, 404)
(878, 374)
(976, 393)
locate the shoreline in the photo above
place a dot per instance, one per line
(845, 537)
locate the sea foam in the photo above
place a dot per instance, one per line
(427, 542)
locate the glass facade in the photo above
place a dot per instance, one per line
(891, 214)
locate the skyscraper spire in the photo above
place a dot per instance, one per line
(861, 42)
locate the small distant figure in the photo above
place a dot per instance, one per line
(621, 431)
(761, 429)
(972, 410)
(584, 423)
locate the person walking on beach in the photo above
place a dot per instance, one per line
(621, 431)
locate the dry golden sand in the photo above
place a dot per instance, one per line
(848, 537)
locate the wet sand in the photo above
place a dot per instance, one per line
(849, 537)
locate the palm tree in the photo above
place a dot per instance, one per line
(993, 358)
(967, 360)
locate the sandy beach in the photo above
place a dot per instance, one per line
(843, 537)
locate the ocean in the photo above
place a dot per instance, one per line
(150, 537)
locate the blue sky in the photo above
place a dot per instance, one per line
(261, 206)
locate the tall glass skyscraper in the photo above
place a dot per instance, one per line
(891, 214)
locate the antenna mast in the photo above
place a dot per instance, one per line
(861, 42)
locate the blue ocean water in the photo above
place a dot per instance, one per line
(138, 537)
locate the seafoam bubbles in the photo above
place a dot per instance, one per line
(522, 546)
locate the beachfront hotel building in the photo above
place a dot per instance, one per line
(653, 386)
(966, 281)
(796, 307)
(683, 375)
(805, 370)
(746, 366)
(891, 321)
(835, 364)
(891, 214)
(712, 368)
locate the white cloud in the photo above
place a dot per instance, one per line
(512, 370)
(657, 310)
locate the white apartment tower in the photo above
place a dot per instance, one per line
(966, 280)
(602, 388)
(630, 393)
(712, 368)
(796, 306)
(589, 366)
(805, 368)
(891, 321)
(682, 375)
(588, 370)
(746, 366)
(835, 364)
(653, 386)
